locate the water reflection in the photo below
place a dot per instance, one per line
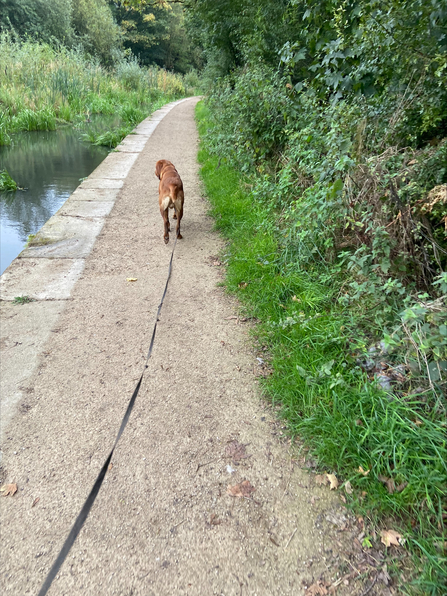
(49, 165)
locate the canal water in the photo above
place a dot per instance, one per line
(49, 165)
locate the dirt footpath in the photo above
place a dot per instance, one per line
(163, 523)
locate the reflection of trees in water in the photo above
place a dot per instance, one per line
(49, 165)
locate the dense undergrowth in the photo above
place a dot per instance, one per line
(42, 87)
(338, 248)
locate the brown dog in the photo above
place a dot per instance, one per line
(170, 195)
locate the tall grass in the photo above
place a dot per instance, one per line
(364, 434)
(41, 87)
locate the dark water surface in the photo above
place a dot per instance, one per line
(49, 165)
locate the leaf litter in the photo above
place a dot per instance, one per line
(237, 451)
(243, 489)
(9, 490)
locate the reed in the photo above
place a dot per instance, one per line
(41, 87)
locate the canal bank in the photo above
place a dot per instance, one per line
(46, 271)
(205, 495)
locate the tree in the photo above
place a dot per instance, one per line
(96, 28)
(156, 34)
(46, 21)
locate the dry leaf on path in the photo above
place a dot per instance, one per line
(317, 589)
(390, 537)
(132, 279)
(333, 480)
(321, 479)
(236, 451)
(243, 489)
(9, 490)
(36, 500)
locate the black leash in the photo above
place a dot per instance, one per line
(99, 480)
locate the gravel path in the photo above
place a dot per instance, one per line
(163, 523)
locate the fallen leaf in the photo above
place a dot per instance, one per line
(348, 488)
(388, 482)
(390, 537)
(243, 489)
(273, 540)
(243, 284)
(131, 279)
(9, 489)
(317, 589)
(333, 480)
(236, 451)
(36, 500)
(110, 466)
(412, 162)
(295, 299)
(321, 479)
(363, 472)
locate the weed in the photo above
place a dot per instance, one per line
(36, 240)
(6, 182)
(23, 300)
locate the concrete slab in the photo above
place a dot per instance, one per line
(25, 330)
(85, 208)
(116, 165)
(41, 279)
(95, 194)
(100, 183)
(146, 127)
(133, 143)
(64, 237)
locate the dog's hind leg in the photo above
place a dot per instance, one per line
(178, 206)
(165, 216)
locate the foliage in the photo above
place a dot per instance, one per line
(86, 24)
(46, 21)
(156, 34)
(41, 87)
(96, 29)
(336, 114)
(6, 182)
(331, 343)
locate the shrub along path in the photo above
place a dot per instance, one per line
(164, 522)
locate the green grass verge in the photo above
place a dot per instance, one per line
(325, 396)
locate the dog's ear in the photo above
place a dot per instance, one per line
(159, 167)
